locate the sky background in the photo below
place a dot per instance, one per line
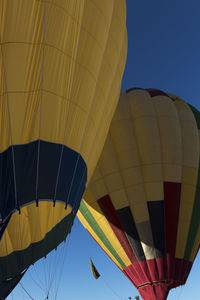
(163, 53)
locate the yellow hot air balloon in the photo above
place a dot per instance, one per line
(142, 204)
(61, 64)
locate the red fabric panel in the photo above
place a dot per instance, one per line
(152, 278)
(172, 194)
(155, 292)
(161, 267)
(109, 212)
(170, 266)
(154, 92)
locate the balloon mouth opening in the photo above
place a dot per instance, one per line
(155, 290)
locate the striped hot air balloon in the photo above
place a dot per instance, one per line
(143, 202)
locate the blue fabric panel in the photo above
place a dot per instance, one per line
(70, 184)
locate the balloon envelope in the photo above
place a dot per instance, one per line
(61, 64)
(143, 202)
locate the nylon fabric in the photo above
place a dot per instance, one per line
(76, 76)
(61, 65)
(146, 185)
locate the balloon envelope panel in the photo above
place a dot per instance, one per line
(61, 64)
(142, 204)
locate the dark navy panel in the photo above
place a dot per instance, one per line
(157, 220)
(71, 180)
(128, 224)
(4, 225)
(7, 192)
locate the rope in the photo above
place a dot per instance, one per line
(26, 291)
(91, 149)
(41, 96)
(11, 139)
(63, 263)
(89, 113)
(68, 108)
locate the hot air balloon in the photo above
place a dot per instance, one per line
(143, 202)
(61, 64)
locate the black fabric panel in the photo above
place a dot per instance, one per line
(129, 227)
(17, 261)
(71, 185)
(3, 226)
(157, 220)
(7, 286)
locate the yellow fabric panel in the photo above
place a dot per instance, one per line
(121, 171)
(85, 45)
(109, 164)
(96, 212)
(107, 113)
(185, 214)
(120, 133)
(148, 143)
(126, 154)
(132, 176)
(99, 188)
(190, 139)
(119, 198)
(190, 146)
(4, 119)
(31, 225)
(189, 176)
(138, 204)
(90, 230)
(170, 138)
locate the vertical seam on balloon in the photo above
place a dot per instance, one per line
(141, 170)
(124, 188)
(68, 106)
(146, 202)
(102, 13)
(17, 204)
(41, 98)
(89, 155)
(162, 169)
(180, 127)
(194, 228)
(182, 166)
(90, 109)
(162, 165)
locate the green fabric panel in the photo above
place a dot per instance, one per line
(17, 261)
(196, 114)
(195, 221)
(92, 222)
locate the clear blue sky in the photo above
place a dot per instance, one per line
(163, 53)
